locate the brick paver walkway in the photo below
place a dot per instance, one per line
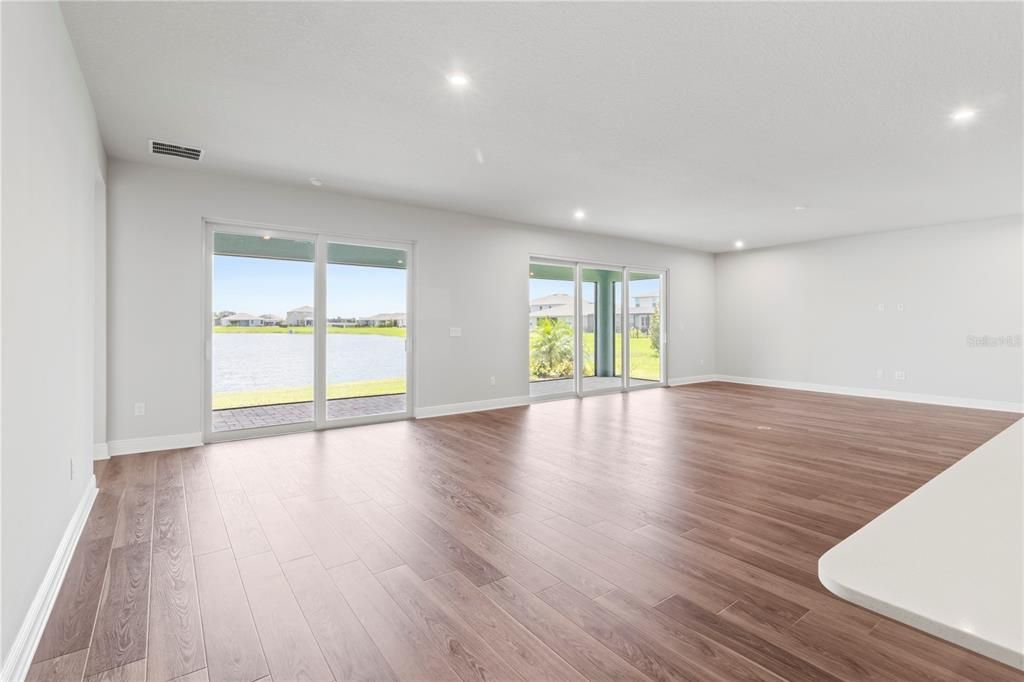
(295, 413)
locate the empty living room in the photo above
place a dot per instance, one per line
(511, 341)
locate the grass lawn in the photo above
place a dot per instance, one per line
(377, 331)
(303, 394)
(644, 361)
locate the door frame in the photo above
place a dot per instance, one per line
(623, 351)
(662, 332)
(320, 317)
(320, 241)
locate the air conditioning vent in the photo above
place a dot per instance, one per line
(167, 149)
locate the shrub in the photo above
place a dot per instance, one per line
(551, 345)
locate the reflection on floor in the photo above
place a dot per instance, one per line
(295, 413)
(563, 386)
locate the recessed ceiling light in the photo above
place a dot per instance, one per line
(316, 182)
(458, 80)
(738, 243)
(963, 115)
(579, 214)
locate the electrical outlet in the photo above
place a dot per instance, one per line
(881, 307)
(900, 375)
(879, 373)
(140, 409)
(455, 331)
(493, 381)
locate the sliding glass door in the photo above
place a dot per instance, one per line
(594, 328)
(645, 330)
(366, 326)
(552, 329)
(303, 331)
(601, 328)
(262, 345)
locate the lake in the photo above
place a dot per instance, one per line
(247, 362)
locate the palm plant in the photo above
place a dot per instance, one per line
(551, 345)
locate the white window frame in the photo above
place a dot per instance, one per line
(320, 241)
(578, 265)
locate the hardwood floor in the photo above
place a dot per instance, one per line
(664, 534)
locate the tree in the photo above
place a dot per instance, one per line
(655, 330)
(551, 345)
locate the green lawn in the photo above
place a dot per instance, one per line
(643, 359)
(303, 394)
(378, 331)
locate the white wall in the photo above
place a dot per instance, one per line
(471, 272)
(52, 158)
(809, 312)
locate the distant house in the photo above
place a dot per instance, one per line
(561, 307)
(382, 320)
(301, 317)
(642, 311)
(271, 320)
(242, 320)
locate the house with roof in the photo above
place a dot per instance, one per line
(382, 320)
(300, 317)
(271, 320)
(243, 320)
(560, 307)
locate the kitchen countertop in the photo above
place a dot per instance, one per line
(949, 558)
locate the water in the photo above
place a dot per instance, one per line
(248, 362)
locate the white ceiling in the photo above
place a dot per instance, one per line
(690, 124)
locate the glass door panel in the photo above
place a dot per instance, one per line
(366, 359)
(552, 329)
(646, 338)
(601, 328)
(262, 345)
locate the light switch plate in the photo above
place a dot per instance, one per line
(455, 331)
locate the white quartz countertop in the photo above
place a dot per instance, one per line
(948, 558)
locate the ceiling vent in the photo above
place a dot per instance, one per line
(167, 149)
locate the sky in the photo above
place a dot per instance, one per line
(264, 286)
(261, 286)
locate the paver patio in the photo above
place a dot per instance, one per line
(296, 413)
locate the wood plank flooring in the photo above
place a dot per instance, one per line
(664, 534)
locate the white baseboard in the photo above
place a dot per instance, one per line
(132, 445)
(19, 658)
(884, 394)
(100, 451)
(696, 379)
(475, 406)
